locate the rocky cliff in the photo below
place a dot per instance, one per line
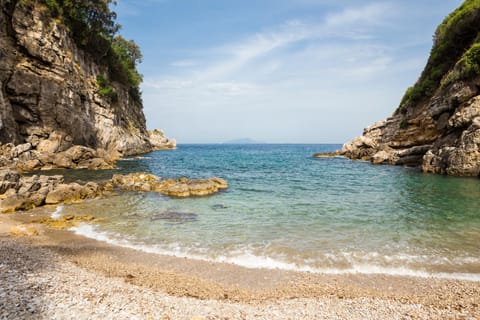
(437, 125)
(50, 99)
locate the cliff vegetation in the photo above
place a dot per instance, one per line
(437, 124)
(92, 24)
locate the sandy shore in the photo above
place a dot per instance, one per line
(56, 274)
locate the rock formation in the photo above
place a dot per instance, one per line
(50, 99)
(19, 192)
(179, 188)
(23, 193)
(437, 125)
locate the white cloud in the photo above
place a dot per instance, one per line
(281, 78)
(370, 14)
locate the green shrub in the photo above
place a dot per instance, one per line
(93, 27)
(404, 124)
(452, 38)
(105, 89)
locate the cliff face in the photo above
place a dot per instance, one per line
(437, 125)
(49, 97)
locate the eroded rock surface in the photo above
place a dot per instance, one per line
(181, 187)
(50, 101)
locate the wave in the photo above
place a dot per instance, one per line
(134, 159)
(249, 260)
(57, 213)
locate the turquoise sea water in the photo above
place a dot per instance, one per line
(286, 209)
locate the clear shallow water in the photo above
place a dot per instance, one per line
(286, 209)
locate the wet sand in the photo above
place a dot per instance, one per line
(216, 290)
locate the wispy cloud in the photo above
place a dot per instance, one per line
(279, 70)
(230, 59)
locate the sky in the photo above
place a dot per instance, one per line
(277, 71)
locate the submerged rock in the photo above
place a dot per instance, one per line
(176, 217)
(65, 222)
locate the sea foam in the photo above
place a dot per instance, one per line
(57, 214)
(249, 260)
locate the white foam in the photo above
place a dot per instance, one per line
(57, 214)
(250, 260)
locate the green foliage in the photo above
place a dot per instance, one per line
(126, 56)
(404, 124)
(452, 38)
(471, 61)
(105, 89)
(93, 27)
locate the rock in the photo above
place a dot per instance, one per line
(80, 153)
(220, 183)
(438, 130)
(65, 222)
(49, 99)
(9, 180)
(50, 145)
(29, 165)
(21, 148)
(159, 141)
(15, 202)
(381, 157)
(65, 193)
(183, 187)
(180, 189)
(24, 231)
(94, 164)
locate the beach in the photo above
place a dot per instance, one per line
(57, 274)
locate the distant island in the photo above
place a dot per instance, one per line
(243, 141)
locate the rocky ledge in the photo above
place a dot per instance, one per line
(182, 187)
(52, 153)
(441, 136)
(19, 192)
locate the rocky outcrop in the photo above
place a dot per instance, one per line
(436, 129)
(181, 187)
(19, 192)
(23, 193)
(159, 141)
(50, 100)
(25, 158)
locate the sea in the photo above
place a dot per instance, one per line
(285, 209)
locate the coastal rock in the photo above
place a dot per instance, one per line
(23, 193)
(181, 187)
(159, 141)
(65, 222)
(50, 105)
(436, 129)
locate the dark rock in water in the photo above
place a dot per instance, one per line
(175, 217)
(219, 206)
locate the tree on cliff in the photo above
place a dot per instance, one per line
(93, 26)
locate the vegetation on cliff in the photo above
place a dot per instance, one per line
(456, 42)
(94, 28)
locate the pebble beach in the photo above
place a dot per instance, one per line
(56, 275)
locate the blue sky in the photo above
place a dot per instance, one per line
(278, 71)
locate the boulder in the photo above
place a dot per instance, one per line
(65, 193)
(9, 179)
(21, 148)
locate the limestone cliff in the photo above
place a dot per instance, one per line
(437, 125)
(49, 93)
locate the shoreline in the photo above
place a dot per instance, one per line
(223, 283)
